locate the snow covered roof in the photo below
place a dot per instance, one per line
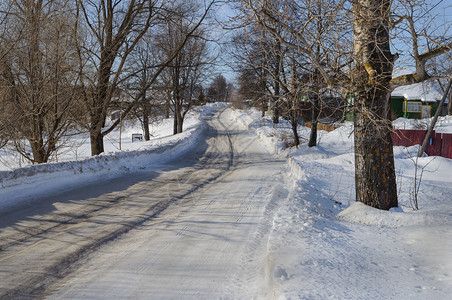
(427, 91)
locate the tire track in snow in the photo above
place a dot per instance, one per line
(61, 227)
(256, 268)
(220, 221)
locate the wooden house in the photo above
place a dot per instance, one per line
(416, 101)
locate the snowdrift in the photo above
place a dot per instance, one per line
(31, 181)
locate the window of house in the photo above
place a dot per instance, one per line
(412, 106)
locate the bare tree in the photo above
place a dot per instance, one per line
(115, 27)
(230, 90)
(146, 61)
(6, 119)
(38, 75)
(281, 67)
(217, 91)
(371, 77)
(184, 72)
(249, 88)
(251, 66)
(317, 32)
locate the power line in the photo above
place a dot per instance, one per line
(429, 10)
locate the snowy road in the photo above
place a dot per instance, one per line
(194, 230)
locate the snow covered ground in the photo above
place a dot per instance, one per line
(321, 244)
(77, 148)
(75, 166)
(324, 245)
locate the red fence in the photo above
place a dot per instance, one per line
(440, 143)
(446, 147)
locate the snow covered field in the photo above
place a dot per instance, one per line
(321, 244)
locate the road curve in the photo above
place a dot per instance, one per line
(196, 229)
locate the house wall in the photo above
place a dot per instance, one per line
(397, 107)
(412, 115)
(434, 105)
(397, 104)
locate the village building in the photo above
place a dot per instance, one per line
(416, 101)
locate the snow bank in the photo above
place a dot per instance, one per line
(363, 214)
(109, 163)
(443, 124)
(324, 245)
(35, 180)
(270, 135)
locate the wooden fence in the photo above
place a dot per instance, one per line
(321, 126)
(440, 143)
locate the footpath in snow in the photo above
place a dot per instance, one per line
(324, 245)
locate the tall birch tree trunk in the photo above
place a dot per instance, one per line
(375, 178)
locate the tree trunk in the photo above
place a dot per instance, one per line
(145, 109)
(175, 124)
(277, 88)
(97, 119)
(99, 109)
(313, 135)
(449, 105)
(263, 109)
(167, 107)
(95, 132)
(375, 179)
(177, 116)
(276, 110)
(294, 123)
(36, 140)
(37, 148)
(33, 15)
(38, 155)
(97, 142)
(147, 134)
(434, 120)
(180, 125)
(275, 113)
(314, 121)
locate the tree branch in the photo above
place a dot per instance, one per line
(420, 75)
(160, 70)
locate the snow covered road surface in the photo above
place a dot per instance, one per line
(194, 230)
(224, 222)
